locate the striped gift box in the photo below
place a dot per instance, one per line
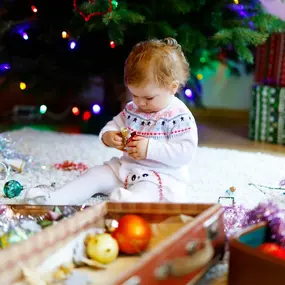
(270, 61)
(267, 114)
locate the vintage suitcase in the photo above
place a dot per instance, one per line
(250, 266)
(181, 258)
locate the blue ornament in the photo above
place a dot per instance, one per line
(12, 189)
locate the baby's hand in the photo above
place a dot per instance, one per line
(113, 139)
(137, 148)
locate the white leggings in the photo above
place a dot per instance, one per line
(99, 179)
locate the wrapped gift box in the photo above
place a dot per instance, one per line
(178, 258)
(267, 114)
(249, 265)
(270, 61)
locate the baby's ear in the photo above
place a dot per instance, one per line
(174, 86)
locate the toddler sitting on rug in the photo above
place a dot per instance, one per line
(154, 165)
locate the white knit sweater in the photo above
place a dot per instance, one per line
(172, 134)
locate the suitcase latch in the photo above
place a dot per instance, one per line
(212, 227)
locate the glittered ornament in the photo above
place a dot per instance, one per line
(102, 248)
(13, 236)
(132, 234)
(12, 189)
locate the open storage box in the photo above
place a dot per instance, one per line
(248, 265)
(181, 256)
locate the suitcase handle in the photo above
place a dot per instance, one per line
(182, 266)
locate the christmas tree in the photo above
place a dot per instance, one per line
(56, 46)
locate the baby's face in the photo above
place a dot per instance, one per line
(152, 98)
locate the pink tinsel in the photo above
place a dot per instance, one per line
(236, 217)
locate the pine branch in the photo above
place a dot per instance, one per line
(246, 35)
(116, 33)
(182, 6)
(250, 37)
(191, 38)
(164, 29)
(241, 38)
(223, 37)
(123, 16)
(244, 53)
(268, 23)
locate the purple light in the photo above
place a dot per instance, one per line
(188, 93)
(5, 66)
(25, 36)
(96, 109)
(72, 44)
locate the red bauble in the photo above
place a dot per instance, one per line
(132, 234)
(273, 249)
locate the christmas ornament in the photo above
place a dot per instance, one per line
(14, 236)
(127, 136)
(102, 248)
(231, 191)
(71, 166)
(80, 257)
(273, 249)
(132, 234)
(12, 189)
(89, 16)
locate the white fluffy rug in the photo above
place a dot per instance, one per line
(212, 172)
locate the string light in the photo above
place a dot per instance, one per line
(188, 92)
(75, 111)
(25, 36)
(236, 2)
(43, 109)
(23, 86)
(202, 59)
(112, 44)
(86, 116)
(34, 9)
(72, 44)
(64, 34)
(115, 4)
(96, 109)
(199, 76)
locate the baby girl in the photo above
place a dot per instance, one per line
(154, 164)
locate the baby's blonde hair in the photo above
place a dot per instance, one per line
(161, 61)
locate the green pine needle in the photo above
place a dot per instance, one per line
(249, 36)
(268, 23)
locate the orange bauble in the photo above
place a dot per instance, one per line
(132, 234)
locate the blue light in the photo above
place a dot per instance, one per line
(96, 109)
(188, 93)
(25, 36)
(72, 44)
(5, 66)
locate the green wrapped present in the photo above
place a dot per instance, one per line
(267, 114)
